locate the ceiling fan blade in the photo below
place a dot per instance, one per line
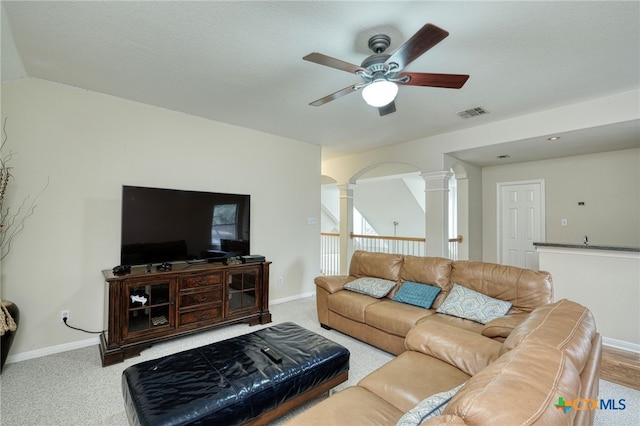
(387, 109)
(328, 61)
(448, 81)
(427, 37)
(334, 95)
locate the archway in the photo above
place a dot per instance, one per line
(384, 200)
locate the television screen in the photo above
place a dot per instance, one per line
(168, 225)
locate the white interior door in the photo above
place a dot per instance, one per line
(520, 222)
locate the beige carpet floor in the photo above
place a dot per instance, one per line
(72, 388)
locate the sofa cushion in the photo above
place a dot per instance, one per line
(466, 350)
(462, 323)
(520, 387)
(564, 325)
(371, 286)
(417, 294)
(350, 304)
(380, 265)
(411, 377)
(524, 288)
(466, 303)
(433, 270)
(393, 317)
(427, 408)
(354, 406)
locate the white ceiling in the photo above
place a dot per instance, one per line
(240, 62)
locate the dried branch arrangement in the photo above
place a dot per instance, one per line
(11, 220)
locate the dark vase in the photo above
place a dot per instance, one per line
(7, 338)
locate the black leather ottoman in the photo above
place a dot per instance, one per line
(234, 382)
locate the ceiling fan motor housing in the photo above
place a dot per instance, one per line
(379, 43)
(375, 62)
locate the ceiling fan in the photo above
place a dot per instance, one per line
(382, 73)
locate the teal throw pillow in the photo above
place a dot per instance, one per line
(417, 294)
(371, 286)
(465, 303)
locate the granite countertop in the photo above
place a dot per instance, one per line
(589, 247)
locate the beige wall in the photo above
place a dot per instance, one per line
(608, 184)
(89, 145)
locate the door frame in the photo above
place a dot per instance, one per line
(543, 215)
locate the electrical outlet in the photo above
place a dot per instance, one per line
(65, 314)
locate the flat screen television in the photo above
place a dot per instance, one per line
(169, 225)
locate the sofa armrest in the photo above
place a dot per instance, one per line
(464, 349)
(502, 326)
(332, 283)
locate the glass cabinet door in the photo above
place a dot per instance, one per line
(149, 306)
(241, 290)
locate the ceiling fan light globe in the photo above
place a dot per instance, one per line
(380, 93)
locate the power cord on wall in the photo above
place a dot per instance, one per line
(64, 320)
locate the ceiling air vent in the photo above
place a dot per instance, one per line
(473, 112)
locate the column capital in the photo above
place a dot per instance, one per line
(346, 190)
(346, 186)
(437, 181)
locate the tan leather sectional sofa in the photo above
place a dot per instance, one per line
(513, 370)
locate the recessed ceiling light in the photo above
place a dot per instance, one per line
(553, 138)
(503, 156)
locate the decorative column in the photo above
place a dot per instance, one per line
(437, 212)
(463, 216)
(346, 225)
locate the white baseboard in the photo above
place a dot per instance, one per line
(23, 356)
(290, 298)
(621, 344)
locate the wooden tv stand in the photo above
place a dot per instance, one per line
(148, 307)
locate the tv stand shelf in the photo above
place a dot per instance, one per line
(148, 307)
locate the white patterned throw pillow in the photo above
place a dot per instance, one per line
(465, 303)
(427, 408)
(371, 286)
